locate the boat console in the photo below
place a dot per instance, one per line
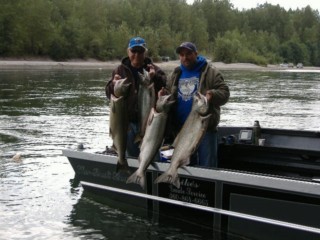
(283, 152)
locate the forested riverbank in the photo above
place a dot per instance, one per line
(100, 29)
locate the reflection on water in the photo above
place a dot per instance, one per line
(281, 99)
(43, 112)
(100, 221)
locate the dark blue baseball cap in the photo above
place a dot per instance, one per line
(187, 45)
(137, 42)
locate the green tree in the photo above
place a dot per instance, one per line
(167, 41)
(200, 35)
(294, 51)
(117, 40)
(64, 29)
(153, 40)
(218, 15)
(35, 20)
(9, 30)
(227, 49)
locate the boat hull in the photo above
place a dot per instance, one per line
(236, 202)
(260, 192)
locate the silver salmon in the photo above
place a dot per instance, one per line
(119, 123)
(188, 139)
(146, 101)
(152, 140)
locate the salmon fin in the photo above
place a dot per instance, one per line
(126, 85)
(112, 107)
(176, 140)
(150, 118)
(176, 182)
(138, 179)
(169, 178)
(123, 168)
(164, 177)
(151, 86)
(113, 147)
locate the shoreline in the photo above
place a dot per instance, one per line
(8, 64)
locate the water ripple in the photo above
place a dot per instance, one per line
(44, 112)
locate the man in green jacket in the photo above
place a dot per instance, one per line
(196, 75)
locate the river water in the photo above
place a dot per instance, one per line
(45, 111)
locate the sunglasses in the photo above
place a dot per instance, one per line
(137, 50)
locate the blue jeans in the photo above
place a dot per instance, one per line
(133, 149)
(206, 154)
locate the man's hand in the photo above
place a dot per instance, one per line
(209, 95)
(152, 72)
(116, 77)
(162, 92)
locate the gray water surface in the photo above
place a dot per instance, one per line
(43, 112)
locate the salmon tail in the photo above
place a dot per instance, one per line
(176, 182)
(138, 179)
(123, 167)
(169, 178)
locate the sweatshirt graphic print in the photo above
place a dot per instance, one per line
(187, 87)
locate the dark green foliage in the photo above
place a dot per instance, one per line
(100, 29)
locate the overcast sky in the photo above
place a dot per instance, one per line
(287, 4)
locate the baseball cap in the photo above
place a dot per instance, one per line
(137, 42)
(187, 45)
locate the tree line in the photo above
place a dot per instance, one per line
(100, 29)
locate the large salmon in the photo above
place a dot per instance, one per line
(153, 139)
(146, 101)
(119, 123)
(188, 139)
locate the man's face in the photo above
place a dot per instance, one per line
(136, 56)
(188, 58)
